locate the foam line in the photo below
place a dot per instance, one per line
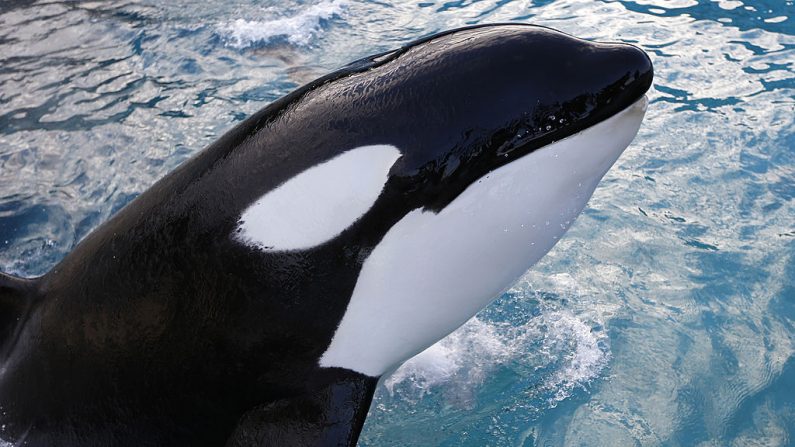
(300, 28)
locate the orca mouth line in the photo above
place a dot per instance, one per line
(641, 103)
(526, 141)
(549, 126)
(482, 164)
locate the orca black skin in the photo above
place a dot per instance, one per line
(162, 328)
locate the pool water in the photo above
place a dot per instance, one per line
(665, 316)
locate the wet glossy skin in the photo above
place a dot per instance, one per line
(161, 328)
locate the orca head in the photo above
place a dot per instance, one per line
(503, 133)
(428, 120)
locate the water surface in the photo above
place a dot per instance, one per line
(664, 317)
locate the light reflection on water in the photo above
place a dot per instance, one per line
(664, 317)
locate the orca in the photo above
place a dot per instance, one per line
(256, 294)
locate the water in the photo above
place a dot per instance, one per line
(664, 317)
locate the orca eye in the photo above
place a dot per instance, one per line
(319, 203)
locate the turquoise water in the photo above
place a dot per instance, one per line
(666, 316)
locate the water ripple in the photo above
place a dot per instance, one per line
(666, 315)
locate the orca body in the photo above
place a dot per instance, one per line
(255, 295)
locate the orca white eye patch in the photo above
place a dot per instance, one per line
(319, 203)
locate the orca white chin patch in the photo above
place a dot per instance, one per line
(319, 203)
(432, 272)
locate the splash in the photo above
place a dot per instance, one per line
(300, 28)
(562, 350)
(469, 353)
(584, 354)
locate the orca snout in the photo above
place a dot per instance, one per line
(630, 72)
(642, 68)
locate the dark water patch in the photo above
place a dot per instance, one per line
(700, 245)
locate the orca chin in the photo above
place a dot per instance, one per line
(255, 295)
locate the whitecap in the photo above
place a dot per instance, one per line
(299, 28)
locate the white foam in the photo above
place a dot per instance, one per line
(470, 352)
(555, 344)
(586, 356)
(298, 29)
